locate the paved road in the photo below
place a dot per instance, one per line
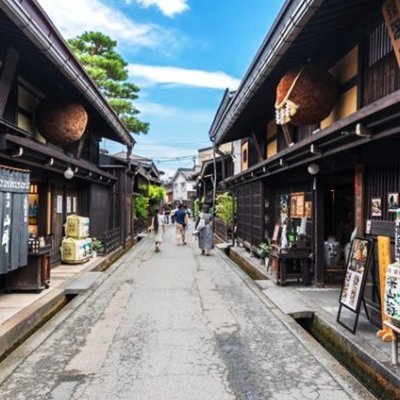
(172, 325)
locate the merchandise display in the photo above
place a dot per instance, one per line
(75, 251)
(77, 227)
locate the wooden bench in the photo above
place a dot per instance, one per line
(395, 346)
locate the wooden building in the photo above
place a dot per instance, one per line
(132, 173)
(223, 168)
(341, 171)
(39, 72)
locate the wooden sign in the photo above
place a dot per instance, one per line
(297, 205)
(351, 295)
(384, 260)
(391, 14)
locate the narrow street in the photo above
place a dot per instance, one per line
(173, 325)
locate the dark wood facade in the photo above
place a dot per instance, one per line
(27, 76)
(355, 147)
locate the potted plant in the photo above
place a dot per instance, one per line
(264, 250)
(97, 246)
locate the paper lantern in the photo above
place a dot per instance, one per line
(61, 120)
(305, 96)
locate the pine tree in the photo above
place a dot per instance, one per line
(96, 51)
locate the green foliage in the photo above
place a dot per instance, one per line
(264, 248)
(96, 52)
(141, 207)
(197, 204)
(225, 208)
(156, 194)
(97, 244)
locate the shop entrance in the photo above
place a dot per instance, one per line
(339, 222)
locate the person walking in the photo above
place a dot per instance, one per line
(205, 231)
(181, 221)
(158, 228)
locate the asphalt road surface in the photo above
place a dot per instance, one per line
(173, 325)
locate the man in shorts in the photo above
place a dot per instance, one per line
(181, 220)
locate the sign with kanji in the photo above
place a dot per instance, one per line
(391, 14)
(351, 295)
(392, 292)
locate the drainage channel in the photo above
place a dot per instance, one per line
(375, 376)
(380, 378)
(21, 330)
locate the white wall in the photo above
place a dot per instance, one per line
(237, 160)
(180, 188)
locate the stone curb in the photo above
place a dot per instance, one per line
(355, 352)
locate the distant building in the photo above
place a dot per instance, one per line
(224, 162)
(184, 185)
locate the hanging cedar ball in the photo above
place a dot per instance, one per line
(60, 120)
(306, 95)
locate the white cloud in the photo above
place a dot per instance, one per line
(167, 7)
(150, 75)
(73, 17)
(164, 111)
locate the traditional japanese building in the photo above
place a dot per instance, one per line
(52, 119)
(318, 116)
(132, 173)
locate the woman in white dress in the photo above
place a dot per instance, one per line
(157, 227)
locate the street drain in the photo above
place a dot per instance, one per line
(373, 375)
(22, 329)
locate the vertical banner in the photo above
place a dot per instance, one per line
(391, 14)
(359, 198)
(14, 189)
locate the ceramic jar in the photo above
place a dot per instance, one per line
(331, 251)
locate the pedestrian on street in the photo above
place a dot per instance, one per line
(181, 221)
(167, 212)
(158, 228)
(205, 231)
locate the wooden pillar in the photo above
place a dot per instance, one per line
(257, 146)
(318, 231)
(287, 135)
(7, 75)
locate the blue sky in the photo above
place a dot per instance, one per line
(181, 53)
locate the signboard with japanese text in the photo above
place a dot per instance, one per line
(351, 295)
(391, 14)
(392, 291)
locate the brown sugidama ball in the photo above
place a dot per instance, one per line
(61, 120)
(314, 93)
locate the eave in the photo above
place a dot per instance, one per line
(38, 155)
(303, 30)
(35, 25)
(381, 118)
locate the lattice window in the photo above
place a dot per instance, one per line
(379, 44)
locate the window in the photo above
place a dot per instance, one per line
(379, 44)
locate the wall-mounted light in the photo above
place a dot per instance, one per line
(315, 150)
(282, 162)
(362, 131)
(76, 169)
(50, 162)
(18, 153)
(313, 169)
(68, 173)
